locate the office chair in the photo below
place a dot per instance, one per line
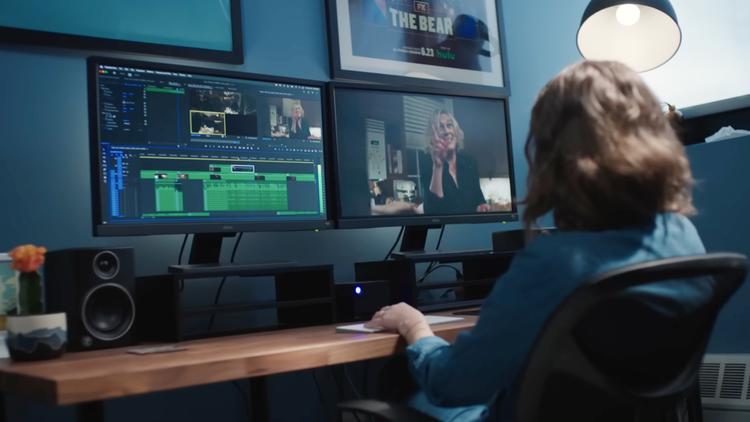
(643, 365)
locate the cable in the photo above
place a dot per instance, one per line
(339, 379)
(340, 388)
(365, 376)
(440, 238)
(236, 245)
(223, 280)
(179, 261)
(433, 269)
(351, 383)
(437, 248)
(320, 395)
(244, 398)
(182, 249)
(394, 244)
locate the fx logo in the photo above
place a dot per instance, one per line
(421, 7)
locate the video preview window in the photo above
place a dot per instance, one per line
(223, 113)
(295, 119)
(407, 154)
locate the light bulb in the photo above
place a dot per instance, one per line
(628, 14)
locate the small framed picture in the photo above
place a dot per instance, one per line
(7, 289)
(448, 44)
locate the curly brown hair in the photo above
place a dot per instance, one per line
(601, 153)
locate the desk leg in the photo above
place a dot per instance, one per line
(259, 399)
(91, 412)
(3, 415)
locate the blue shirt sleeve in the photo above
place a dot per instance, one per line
(486, 360)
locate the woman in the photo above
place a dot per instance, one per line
(300, 128)
(450, 179)
(604, 160)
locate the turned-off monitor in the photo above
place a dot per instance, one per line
(417, 157)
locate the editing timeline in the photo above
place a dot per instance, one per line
(188, 147)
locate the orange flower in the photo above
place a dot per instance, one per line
(27, 258)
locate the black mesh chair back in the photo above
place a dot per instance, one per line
(615, 351)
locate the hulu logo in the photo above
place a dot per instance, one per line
(447, 55)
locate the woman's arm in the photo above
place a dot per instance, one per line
(436, 182)
(488, 359)
(478, 201)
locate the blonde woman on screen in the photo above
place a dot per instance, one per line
(450, 178)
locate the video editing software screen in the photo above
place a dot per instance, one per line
(408, 154)
(189, 148)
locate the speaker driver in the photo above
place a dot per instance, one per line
(108, 312)
(106, 265)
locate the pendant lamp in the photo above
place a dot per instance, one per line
(644, 34)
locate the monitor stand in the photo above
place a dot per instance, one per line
(206, 247)
(205, 253)
(413, 243)
(415, 238)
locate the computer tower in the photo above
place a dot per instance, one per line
(95, 287)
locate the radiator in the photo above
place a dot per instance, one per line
(724, 382)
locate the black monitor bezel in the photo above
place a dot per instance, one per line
(395, 221)
(105, 230)
(83, 42)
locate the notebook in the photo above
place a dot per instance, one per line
(360, 328)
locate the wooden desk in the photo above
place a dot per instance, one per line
(88, 378)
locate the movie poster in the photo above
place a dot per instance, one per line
(451, 40)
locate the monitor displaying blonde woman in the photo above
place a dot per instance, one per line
(451, 152)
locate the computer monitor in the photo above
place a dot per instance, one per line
(186, 150)
(416, 157)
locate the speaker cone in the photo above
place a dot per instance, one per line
(108, 312)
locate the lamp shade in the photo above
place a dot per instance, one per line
(644, 34)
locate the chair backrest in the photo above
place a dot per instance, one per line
(612, 351)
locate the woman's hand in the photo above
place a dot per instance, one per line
(484, 208)
(503, 206)
(393, 208)
(438, 150)
(409, 322)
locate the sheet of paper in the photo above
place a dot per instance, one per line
(359, 328)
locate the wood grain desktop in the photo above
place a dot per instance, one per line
(94, 376)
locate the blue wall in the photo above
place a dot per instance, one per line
(720, 169)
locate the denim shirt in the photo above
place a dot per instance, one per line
(483, 364)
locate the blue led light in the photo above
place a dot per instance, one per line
(358, 290)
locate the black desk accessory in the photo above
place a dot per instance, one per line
(481, 268)
(304, 297)
(360, 301)
(209, 270)
(430, 256)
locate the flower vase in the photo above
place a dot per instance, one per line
(30, 293)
